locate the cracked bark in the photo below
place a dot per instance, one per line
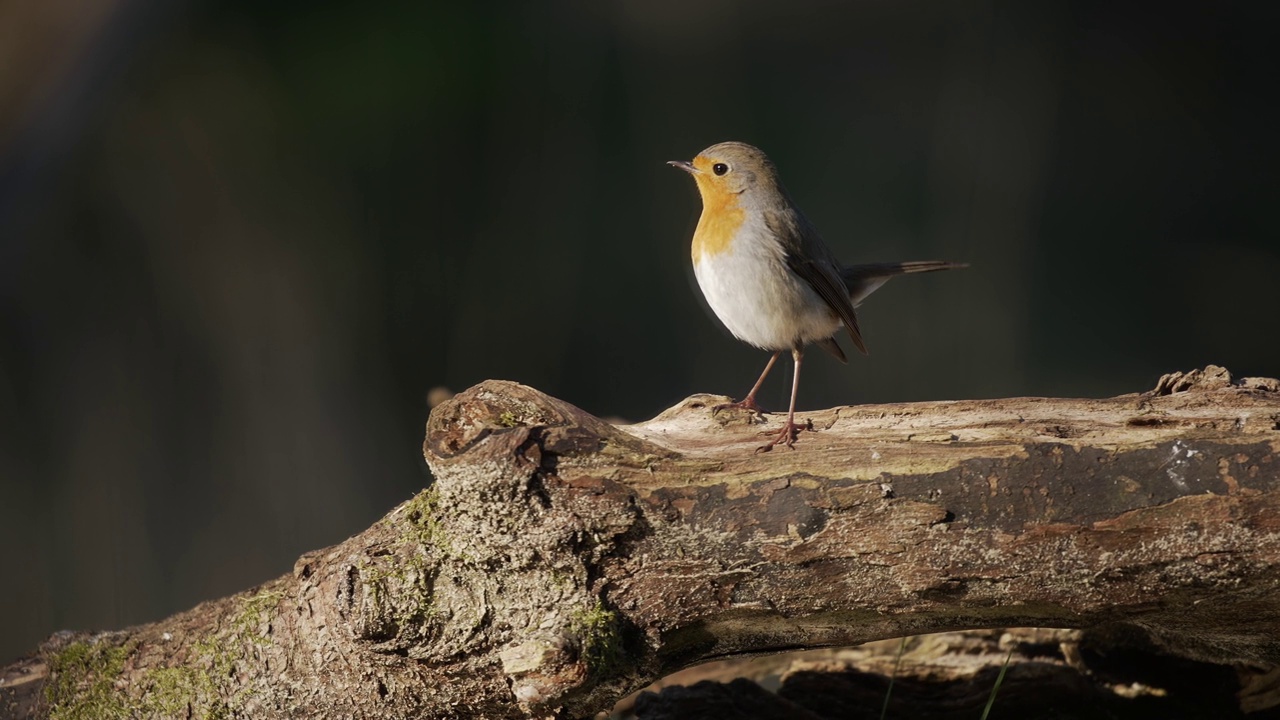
(559, 562)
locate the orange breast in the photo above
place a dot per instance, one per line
(719, 224)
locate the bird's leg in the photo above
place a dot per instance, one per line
(749, 402)
(787, 436)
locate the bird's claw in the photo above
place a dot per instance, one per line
(748, 404)
(787, 435)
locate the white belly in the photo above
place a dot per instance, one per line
(761, 301)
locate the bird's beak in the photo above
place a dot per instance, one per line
(684, 165)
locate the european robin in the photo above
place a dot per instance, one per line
(767, 274)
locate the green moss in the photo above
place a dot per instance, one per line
(400, 583)
(82, 684)
(562, 580)
(202, 683)
(508, 419)
(421, 512)
(84, 678)
(170, 691)
(600, 639)
(216, 655)
(84, 675)
(425, 528)
(255, 610)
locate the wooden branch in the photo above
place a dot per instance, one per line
(560, 562)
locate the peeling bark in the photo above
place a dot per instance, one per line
(560, 562)
(1060, 674)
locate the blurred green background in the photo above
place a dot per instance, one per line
(240, 241)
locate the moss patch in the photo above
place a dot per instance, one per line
(424, 526)
(600, 639)
(253, 613)
(82, 683)
(421, 513)
(170, 691)
(85, 676)
(398, 584)
(201, 684)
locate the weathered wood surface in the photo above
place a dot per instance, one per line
(560, 562)
(1059, 674)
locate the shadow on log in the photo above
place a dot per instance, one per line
(560, 562)
(1060, 674)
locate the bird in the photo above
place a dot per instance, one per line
(768, 275)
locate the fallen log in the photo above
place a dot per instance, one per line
(560, 562)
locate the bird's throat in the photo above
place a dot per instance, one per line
(721, 219)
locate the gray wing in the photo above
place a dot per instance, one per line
(812, 260)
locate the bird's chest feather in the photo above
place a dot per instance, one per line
(749, 287)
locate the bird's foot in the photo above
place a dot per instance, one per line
(748, 403)
(786, 436)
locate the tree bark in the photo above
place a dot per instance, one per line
(559, 562)
(1033, 673)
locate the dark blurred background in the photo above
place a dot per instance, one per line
(240, 241)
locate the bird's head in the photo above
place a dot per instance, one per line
(730, 170)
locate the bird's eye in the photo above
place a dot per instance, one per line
(719, 168)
